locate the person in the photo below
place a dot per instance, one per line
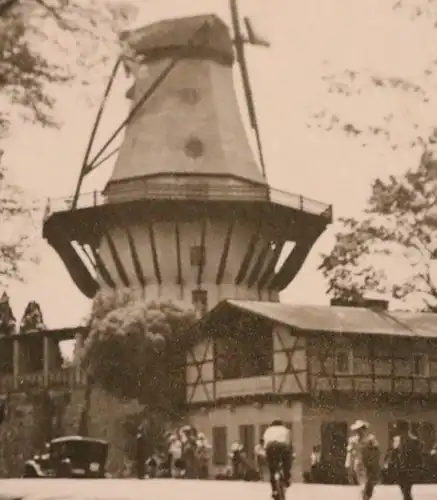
(409, 451)
(140, 458)
(175, 449)
(203, 454)
(279, 449)
(316, 459)
(237, 460)
(363, 457)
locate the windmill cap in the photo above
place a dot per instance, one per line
(175, 33)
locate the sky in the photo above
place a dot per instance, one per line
(313, 44)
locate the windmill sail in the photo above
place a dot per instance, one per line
(239, 49)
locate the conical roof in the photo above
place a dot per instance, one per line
(191, 126)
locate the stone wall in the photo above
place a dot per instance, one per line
(34, 418)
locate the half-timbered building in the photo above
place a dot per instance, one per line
(318, 368)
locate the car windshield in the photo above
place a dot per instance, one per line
(79, 451)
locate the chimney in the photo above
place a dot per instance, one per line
(374, 304)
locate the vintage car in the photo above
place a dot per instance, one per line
(70, 456)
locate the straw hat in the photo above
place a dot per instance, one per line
(359, 424)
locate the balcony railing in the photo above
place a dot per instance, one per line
(194, 191)
(63, 378)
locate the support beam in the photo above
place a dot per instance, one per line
(202, 251)
(135, 257)
(257, 267)
(242, 272)
(103, 270)
(269, 272)
(116, 258)
(154, 253)
(179, 278)
(292, 264)
(225, 253)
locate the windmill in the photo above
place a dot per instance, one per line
(187, 212)
(239, 41)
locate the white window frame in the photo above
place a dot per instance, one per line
(426, 359)
(350, 356)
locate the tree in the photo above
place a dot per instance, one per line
(374, 105)
(83, 35)
(135, 350)
(393, 247)
(389, 248)
(18, 223)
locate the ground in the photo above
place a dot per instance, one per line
(162, 489)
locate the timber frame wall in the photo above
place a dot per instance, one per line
(319, 366)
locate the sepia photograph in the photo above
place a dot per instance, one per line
(218, 249)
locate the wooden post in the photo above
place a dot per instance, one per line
(16, 361)
(46, 360)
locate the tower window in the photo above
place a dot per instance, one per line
(200, 301)
(197, 256)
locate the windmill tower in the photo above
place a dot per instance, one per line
(187, 212)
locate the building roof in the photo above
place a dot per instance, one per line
(342, 319)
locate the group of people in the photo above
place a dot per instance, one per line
(404, 458)
(185, 454)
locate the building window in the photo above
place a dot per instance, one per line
(420, 367)
(247, 439)
(197, 256)
(244, 350)
(343, 361)
(199, 300)
(334, 437)
(220, 445)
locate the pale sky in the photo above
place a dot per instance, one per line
(310, 40)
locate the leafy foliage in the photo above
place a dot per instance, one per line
(393, 248)
(136, 350)
(373, 103)
(83, 35)
(18, 220)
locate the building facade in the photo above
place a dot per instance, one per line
(318, 368)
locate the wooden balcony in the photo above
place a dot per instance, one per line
(32, 361)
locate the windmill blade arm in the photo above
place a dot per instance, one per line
(253, 37)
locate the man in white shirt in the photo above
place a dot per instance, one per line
(279, 449)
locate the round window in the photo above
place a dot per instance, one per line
(194, 147)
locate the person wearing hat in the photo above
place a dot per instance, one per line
(363, 457)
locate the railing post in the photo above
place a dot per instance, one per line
(301, 201)
(95, 197)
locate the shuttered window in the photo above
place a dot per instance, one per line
(220, 445)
